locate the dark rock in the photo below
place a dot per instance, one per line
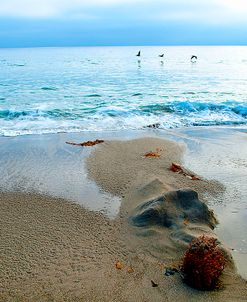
(170, 271)
(155, 126)
(172, 209)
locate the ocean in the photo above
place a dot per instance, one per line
(52, 90)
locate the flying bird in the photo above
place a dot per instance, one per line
(139, 53)
(161, 56)
(193, 59)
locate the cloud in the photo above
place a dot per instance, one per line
(121, 22)
(53, 8)
(212, 11)
(237, 6)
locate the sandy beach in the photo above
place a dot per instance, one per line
(57, 250)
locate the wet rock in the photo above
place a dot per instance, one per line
(170, 271)
(154, 126)
(172, 209)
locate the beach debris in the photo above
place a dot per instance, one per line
(130, 270)
(155, 154)
(119, 265)
(154, 126)
(152, 155)
(203, 263)
(154, 284)
(87, 144)
(170, 271)
(195, 177)
(186, 221)
(177, 168)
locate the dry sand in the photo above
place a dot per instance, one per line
(53, 250)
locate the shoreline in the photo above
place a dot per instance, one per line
(148, 131)
(109, 240)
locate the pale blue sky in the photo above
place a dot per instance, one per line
(25, 23)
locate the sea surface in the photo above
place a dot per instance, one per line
(51, 90)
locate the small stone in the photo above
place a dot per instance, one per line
(170, 271)
(154, 284)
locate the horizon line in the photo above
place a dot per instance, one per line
(153, 45)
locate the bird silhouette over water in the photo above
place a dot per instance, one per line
(161, 56)
(139, 53)
(193, 59)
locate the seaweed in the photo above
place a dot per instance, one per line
(203, 263)
(87, 144)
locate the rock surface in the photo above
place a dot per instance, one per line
(174, 209)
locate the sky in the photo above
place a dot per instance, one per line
(38, 23)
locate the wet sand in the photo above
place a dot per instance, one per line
(55, 250)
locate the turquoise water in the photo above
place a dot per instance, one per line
(49, 90)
